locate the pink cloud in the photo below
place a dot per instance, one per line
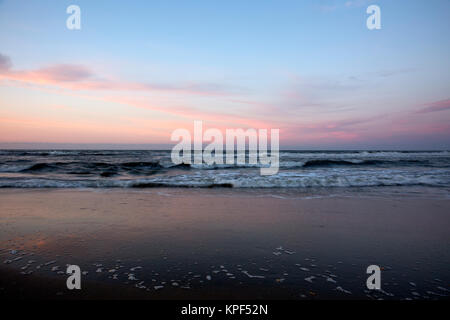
(436, 106)
(59, 73)
(79, 77)
(219, 119)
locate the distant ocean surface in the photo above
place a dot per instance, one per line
(150, 169)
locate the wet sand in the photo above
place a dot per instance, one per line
(221, 244)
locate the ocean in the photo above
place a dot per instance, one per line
(154, 168)
(132, 220)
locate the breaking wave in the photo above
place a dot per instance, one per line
(154, 169)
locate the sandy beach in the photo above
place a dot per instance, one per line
(222, 244)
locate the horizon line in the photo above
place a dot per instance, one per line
(167, 147)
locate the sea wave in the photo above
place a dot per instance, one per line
(153, 169)
(236, 181)
(82, 167)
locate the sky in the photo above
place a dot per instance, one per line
(138, 70)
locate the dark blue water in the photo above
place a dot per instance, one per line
(150, 168)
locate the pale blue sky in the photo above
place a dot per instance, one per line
(304, 66)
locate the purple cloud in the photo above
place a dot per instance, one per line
(5, 63)
(436, 106)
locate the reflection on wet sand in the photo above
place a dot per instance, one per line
(237, 243)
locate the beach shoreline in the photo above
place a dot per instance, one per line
(222, 244)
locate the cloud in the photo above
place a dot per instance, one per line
(79, 77)
(356, 3)
(63, 73)
(5, 63)
(436, 106)
(370, 76)
(335, 5)
(394, 72)
(327, 8)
